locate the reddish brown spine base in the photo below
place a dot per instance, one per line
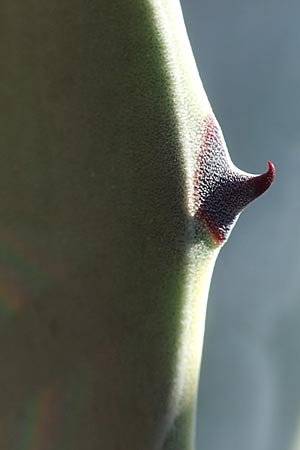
(221, 191)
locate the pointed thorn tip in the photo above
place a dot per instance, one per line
(271, 171)
(264, 181)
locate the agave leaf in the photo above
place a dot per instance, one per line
(117, 193)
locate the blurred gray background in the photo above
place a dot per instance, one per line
(248, 55)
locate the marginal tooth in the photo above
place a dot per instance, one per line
(221, 191)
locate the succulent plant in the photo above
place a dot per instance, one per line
(119, 184)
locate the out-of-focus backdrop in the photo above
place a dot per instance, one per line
(248, 55)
